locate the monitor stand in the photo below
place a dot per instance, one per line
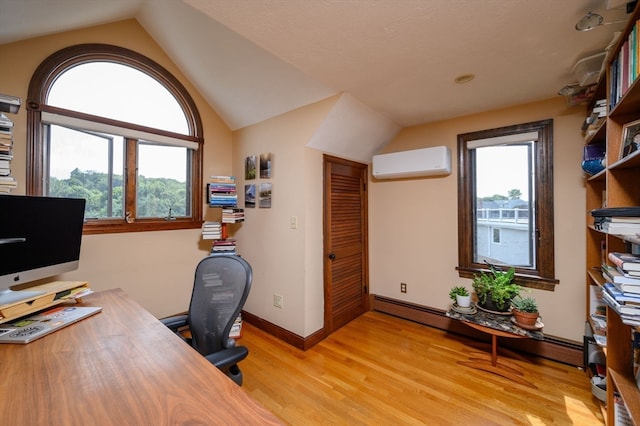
(8, 297)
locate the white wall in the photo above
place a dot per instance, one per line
(285, 261)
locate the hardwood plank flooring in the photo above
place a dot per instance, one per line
(383, 370)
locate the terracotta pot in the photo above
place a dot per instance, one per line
(525, 318)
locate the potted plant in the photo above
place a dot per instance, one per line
(460, 295)
(525, 311)
(495, 289)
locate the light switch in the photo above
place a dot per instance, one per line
(294, 222)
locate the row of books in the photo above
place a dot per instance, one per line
(621, 221)
(625, 67)
(223, 247)
(7, 182)
(232, 215)
(212, 231)
(221, 191)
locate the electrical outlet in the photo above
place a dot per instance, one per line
(278, 300)
(403, 287)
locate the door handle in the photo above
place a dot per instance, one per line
(332, 256)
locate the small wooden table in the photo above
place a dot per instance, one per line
(496, 326)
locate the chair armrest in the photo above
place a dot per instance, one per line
(227, 357)
(175, 322)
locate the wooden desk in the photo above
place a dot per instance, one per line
(119, 367)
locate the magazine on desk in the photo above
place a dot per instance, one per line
(30, 328)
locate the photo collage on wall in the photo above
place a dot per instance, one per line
(262, 191)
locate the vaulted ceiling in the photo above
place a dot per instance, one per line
(396, 59)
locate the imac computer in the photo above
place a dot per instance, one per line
(39, 237)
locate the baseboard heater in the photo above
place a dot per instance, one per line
(555, 348)
(433, 161)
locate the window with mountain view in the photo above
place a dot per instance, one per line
(118, 130)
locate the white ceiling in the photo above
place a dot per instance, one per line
(255, 59)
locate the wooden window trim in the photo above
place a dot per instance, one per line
(42, 80)
(543, 277)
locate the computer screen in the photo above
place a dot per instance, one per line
(39, 237)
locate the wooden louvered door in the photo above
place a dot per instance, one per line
(345, 242)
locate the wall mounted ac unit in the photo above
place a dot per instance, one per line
(431, 161)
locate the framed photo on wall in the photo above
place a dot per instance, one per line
(250, 167)
(250, 196)
(264, 200)
(266, 165)
(630, 138)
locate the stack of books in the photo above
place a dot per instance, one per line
(622, 221)
(7, 182)
(236, 328)
(224, 247)
(232, 215)
(622, 289)
(221, 191)
(211, 231)
(595, 119)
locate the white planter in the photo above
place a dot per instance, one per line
(463, 301)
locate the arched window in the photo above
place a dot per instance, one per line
(113, 127)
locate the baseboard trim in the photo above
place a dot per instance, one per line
(554, 348)
(293, 339)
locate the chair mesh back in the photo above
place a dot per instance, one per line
(220, 289)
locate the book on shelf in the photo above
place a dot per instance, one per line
(620, 412)
(10, 104)
(626, 312)
(211, 230)
(635, 345)
(632, 229)
(236, 328)
(232, 215)
(612, 274)
(222, 179)
(597, 307)
(624, 298)
(5, 122)
(599, 324)
(625, 261)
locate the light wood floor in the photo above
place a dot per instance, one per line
(382, 370)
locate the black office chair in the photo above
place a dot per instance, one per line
(220, 289)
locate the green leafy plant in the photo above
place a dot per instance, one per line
(525, 304)
(497, 286)
(458, 291)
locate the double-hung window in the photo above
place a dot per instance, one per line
(115, 128)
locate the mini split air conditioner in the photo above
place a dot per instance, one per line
(432, 161)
